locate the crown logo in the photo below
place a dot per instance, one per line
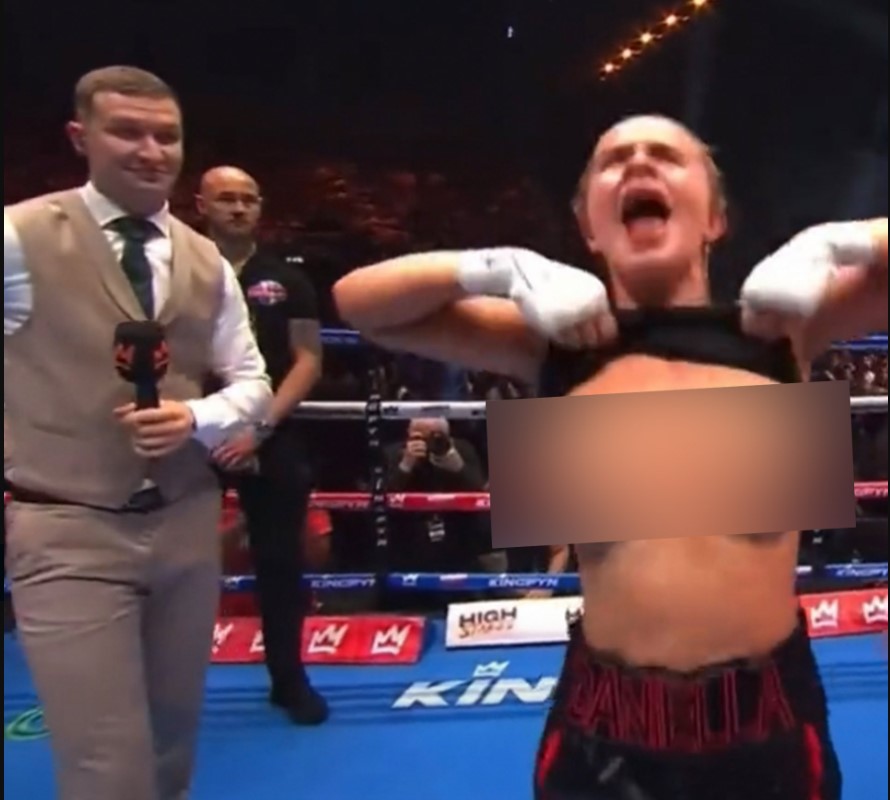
(875, 610)
(493, 670)
(825, 614)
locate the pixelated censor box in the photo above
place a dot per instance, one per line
(708, 462)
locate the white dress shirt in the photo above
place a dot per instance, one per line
(235, 357)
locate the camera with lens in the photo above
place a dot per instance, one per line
(439, 444)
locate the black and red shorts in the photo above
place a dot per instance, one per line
(739, 731)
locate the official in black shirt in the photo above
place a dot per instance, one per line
(268, 463)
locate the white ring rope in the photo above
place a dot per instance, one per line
(474, 409)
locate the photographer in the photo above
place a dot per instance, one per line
(432, 460)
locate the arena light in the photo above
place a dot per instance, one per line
(651, 35)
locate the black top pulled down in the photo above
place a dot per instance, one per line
(700, 335)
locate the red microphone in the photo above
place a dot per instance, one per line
(141, 357)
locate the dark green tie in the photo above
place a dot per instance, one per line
(136, 232)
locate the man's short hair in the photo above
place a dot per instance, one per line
(128, 81)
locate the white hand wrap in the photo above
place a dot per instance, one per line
(795, 279)
(551, 296)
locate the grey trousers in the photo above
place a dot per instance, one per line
(115, 614)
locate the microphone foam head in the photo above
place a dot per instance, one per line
(140, 351)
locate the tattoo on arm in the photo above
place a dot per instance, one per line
(305, 334)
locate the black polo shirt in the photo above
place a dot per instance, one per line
(276, 293)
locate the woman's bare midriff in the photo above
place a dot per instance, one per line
(683, 604)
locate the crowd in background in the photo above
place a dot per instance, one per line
(865, 372)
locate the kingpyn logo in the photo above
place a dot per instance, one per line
(338, 582)
(486, 688)
(515, 582)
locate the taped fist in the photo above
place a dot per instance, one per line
(563, 303)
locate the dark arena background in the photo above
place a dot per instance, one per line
(377, 129)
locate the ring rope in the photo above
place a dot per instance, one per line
(471, 409)
(479, 582)
(479, 501)
(350, 338)
(484, 581)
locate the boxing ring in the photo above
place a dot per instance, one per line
(451, 705)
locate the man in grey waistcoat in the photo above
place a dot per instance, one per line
(113, 552)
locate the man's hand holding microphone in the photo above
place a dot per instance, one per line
(158, 427)
(157, 431)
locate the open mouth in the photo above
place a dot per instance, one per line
(645, 215)
(638, 206)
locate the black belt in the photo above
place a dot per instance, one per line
(142, 502)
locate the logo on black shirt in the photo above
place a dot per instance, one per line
(267, 293)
